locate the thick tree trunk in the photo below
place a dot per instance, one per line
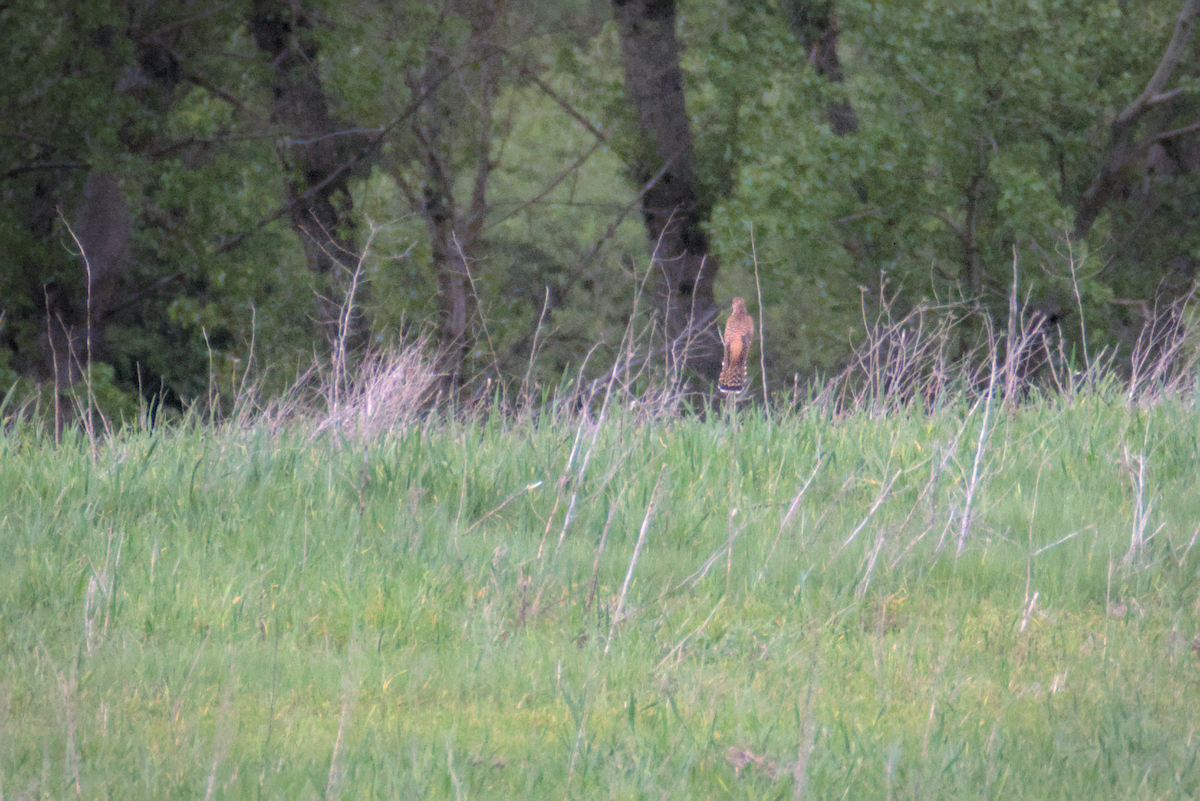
(56, 329)
(673, 210)
(323, 221)
(70, 316)
(103, 229)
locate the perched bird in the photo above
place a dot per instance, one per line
(739, 333)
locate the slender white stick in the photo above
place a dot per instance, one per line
(637, 551)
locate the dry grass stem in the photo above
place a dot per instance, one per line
(885, 490)
(791, 511)
(633, 559)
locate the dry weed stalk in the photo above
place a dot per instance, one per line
(937, 468)
(389, 391)
(345, 321)
(762, 342)
(934, 351)
(725, 548)
(633, 559)
(68, 686)
(633, 365)
(87, 409)
(387, 388)
(1165, 355)
(899, 361)
(663, 394)
(337, 758)
(860, 591)
(1134, 468)
(99, 596)
(808, 731)
(525, 396)
(977, 477)
(678, 647)
(613, 388)
(1025, 331)
(885, 490)
(791, 511)
(222, 740)
(595, 581)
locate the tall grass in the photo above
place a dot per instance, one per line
(933, 579)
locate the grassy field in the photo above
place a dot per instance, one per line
(976, 602)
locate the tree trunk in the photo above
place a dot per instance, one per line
(815, 25)
(68, 313)
(103, 229)
(672, 208)
(455, 229)
(323, 221)
(452, 254)
(1117, 167)
(55, 329)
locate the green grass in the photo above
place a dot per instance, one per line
(241, 611)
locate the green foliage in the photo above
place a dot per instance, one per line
(98, 89)
(980, 125)
(553, 192)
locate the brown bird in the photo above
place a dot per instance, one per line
(739, 333)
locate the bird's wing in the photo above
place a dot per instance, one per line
(735, 346)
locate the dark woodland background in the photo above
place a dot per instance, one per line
(521, 176)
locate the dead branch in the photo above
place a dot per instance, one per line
(1109, 178)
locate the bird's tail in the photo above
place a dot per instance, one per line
(733, 379)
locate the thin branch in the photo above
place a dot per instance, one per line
(591, 255)
(1107, 180)
(567, 107)
(1165, 96)
(348, 132)
(171, 27)
(1195, 126)
(579, 162)
(1154, 89)
(200, 78)
(366, 150)
(138, 294)
(950, 223)
(164, 150)
(44, 165)
(870, 212)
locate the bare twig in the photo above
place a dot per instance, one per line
(412, 108)
(572, 112)
(1134, 466)
(762, 342)
(612, 510)
(975, 479)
